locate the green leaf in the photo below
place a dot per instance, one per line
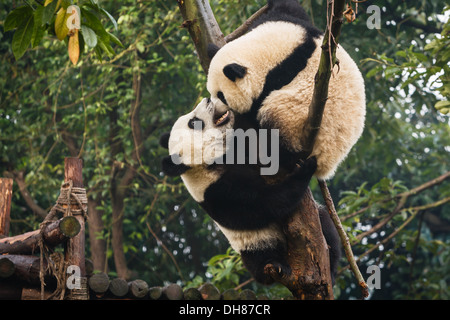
(114, 22)
(22, 37)
(89, 36)
(16, 17)
(116, 40)
(48, 12)
(442, 104)
(38, 34)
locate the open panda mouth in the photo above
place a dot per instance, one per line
(221, 118)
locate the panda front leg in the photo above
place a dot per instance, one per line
(256, 262)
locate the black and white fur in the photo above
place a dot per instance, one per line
(267, 78)
(247, 209)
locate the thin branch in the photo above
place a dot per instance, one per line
(322, 78)
(415, 211)
(20, 180)
(344, 238)
(408, 193)
(165, 249)
(244, 27)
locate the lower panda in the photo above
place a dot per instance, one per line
(266, 77)
(248, 211)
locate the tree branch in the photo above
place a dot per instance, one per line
(344, 238)
(20, 180)
(202, 26)
(322, 78)
(244, 27)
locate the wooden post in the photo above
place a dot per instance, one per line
(5, 205)
(75, 247)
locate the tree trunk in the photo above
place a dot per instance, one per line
(308, 255)
(120, 182)
(96, 227)
(5, 205)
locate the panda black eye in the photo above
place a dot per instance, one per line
(222, 97)
(196, 124)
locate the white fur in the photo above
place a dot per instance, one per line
(253, 239)
(286, 109)
(198, 148)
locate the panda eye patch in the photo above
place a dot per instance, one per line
(222, 97)
(196, 124)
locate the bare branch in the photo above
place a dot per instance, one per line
(322, 78)
(244, 27)
(344, 238)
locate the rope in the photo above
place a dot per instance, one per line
(71, 201)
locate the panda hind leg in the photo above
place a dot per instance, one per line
(256, 260)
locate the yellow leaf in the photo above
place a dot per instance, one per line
(61, 28)
(74, 47)
(47, 2)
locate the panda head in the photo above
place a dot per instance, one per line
(238, 71)
(229, 82)
(197, 138)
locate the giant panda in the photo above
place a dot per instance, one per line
(267, 77)
(249, 211)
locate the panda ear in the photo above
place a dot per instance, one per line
(164, 140)
(212, 50)
(172, 169)
(234, 71)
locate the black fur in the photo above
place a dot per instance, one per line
(164, 140)
(172, 169)
(256, 260)
(234, 71)
(242, 200)
(212, 50)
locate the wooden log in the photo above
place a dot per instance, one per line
(155, 293)
(7, 267)
(118, 287)
(138, 289)
(5, 205)
(247, 294)
(209, 292)
(26, 268)
(53, 234)
(99, 283)
(230, 294)
(173, 292)
(11, 289)
(192, 294)
(89, 267)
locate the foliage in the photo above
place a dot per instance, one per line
(50, 109)
(53, 17)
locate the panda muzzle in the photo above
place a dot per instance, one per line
(221, 119)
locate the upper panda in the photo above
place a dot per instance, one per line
(267, 77)
(248, 210)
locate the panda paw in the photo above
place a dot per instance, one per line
(275, 271)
